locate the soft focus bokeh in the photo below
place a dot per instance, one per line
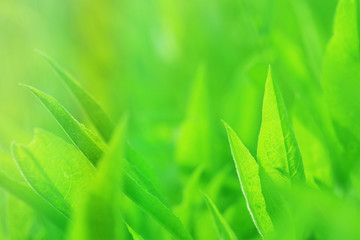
(177, 68)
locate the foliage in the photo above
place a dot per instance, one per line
(139, 151)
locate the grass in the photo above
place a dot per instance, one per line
(135, 148)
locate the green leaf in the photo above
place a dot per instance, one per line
(223, 228)
(38, 179)
(134, 234)
(29, 196)
(278, 152)
(100, 216)
(90, 144)
(55, 169)
(14, 183)
(93, 110)
(67, 168)
(142, 180)
(153, 206)
(248, 173)
(341, 68)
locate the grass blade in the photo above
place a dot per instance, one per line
(223, 228)
(88, 143)
(29, 196)
(100, 216)
(134, 234)
(93, 110)
(154, 207)
(248, 173)
(278, 151)
(38, 179)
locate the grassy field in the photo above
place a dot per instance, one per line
(165, 119)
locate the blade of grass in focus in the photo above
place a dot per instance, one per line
(248, 173)
(93, 110)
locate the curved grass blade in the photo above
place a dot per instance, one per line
(278, 151)
(38, 179)
(134, 234)
(29, 196)
(88, 143)
(248, 173)
(93, 110)
(224, 230)
(100, 216)
(153, 206)
(66, 166)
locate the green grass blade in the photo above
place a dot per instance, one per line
(29, 196)
(38, 179)
(13, 181)
(93, 110)
(100, 216)
(88, 143)
(248, 173)
(341, 68)
(278, 152)
(194, 143)
(66, 166)
(223, 228)
(142, 180)
(134, 234)
(154, 207)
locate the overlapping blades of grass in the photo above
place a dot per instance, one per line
(139, 191)
(14, 183)
(278, 152)
(100, 215)
(224, 230)
(93, 110)
(88, 143)
(248, 173)
(55, 169)
(38, 178)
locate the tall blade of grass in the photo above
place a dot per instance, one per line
(134, 234)
(100, 216)
(154, 207)
(193, 146)
(93, 110)
(340, 81)
(224, 230)
(341, 68)
(248, 173)
(38, 179)
(88, 143)
(278, 151)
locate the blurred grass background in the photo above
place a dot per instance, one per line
(143, 58)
